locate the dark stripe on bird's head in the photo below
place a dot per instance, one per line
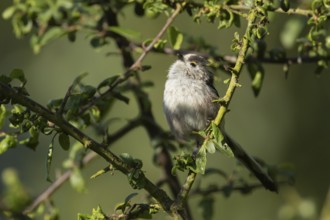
(197, 59)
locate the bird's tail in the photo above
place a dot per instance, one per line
(251, 164)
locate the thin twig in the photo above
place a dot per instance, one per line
(88, 142)
(65, 100)
(246, 188)
(136, 66)
(181, 198)
(47, 193)
(242, 7)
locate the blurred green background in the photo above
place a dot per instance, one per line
(288, 123)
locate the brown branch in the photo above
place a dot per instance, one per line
(122, 44)
(135, 66)
(243, 188)
(231, 59)
(47, 193)
(88, 142)
(241, 7)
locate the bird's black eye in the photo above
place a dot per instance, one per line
(193, 64)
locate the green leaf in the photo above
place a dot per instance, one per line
(64, 141)
(78, 79)
(3, 114)
(261, 32)
(121, 97)
(97, 214)
(87, 91)
(8, 142)
(130, 196)
(33, 140)
(54, 104)
(224, 148)
(257, 73)
(210, 147)
(97, 42)
(217, 135)
(160, 44)
(49, 159)
(77, 181)
(175, 37)
(18, 74)
(201, 160)
(109, 168)
(128, 33)
(226, 19)
(108, 82)
(291, 31)
(9, 12)
(285, 5)
(50, 35)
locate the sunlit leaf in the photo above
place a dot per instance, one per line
(128, 33)
(175, 37)
(291, 30)
(9, 12)
(3, 114)
(7, 142)
(49, 159)
(201, 160)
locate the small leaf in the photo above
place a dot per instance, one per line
(64, 141)
(108, 82)
(285, 5)
(78, 79)
(257, 75)
(33, 140)
(77, 181)
(87, 91)
(160, 44)
(210, 147)
(9, 12)
(8, 142)
(224, 148)
(49, 159)
(18, 74)
(121, 97)
(216, 133)
(290, 32)
(261, 32)
(201, 160)
(109, 168)
(130, 196)
(3, 114)
(175, 37)
(51, 34)
(128, 33)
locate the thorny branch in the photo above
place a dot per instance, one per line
(156, 193)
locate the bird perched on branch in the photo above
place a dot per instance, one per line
(189, 106)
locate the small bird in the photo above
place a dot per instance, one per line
(189, 106)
